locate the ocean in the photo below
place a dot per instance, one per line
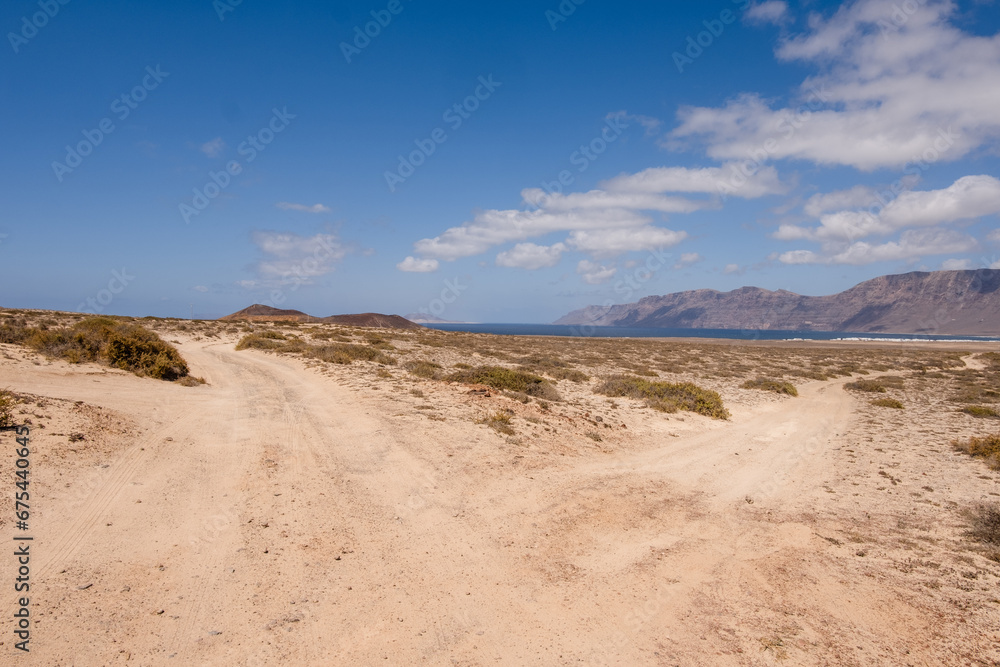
(656, 332)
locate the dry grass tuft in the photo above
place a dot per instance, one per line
(665, 396)
(507, 379)
(768, 384)
(873, 386)
(887, 403)
(986, 523)
(986, 447)
(500, 422)
(981, 411)
(7, 403)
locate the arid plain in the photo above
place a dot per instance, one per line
(337, 495)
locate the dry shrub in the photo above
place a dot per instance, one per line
(500, 422)
(768, 384)
(986, 447)
(423, 368)
(887, 403)
(666, 396)
(872, 386)
(508, 379)
(981, 411)
(986, 523)
(125, 345)
(7, 403)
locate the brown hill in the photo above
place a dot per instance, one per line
(261, 313)
(939, 302)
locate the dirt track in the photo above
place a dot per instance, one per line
(275, 516)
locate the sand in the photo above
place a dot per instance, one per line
(296, 515)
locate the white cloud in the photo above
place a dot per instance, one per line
(315, 208)
(530, 256)
(414, 265)
(247, 284)
(772, 11)
(968, 198)
(687, 259)
(604, 222)
(993, 236)
(956, 264)
(200, 288)
(891, 89)
(860, 196)
(649, 124)
(731, 269)
(913, 244)
(594, 273)
(213, 148)
(293, 259)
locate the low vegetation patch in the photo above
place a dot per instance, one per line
(118, 344)
(767, 384)
(423, 368)
(508, 379)
(666, 396)
(7, 403)
(335, 353)
(872, 386)
(887, 403)
(499, 422)
(981, 411)
(986, 524)
(986, 447)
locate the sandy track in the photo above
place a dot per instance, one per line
(277, 517)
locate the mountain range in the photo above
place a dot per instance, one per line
(938, 302)
(262, 313)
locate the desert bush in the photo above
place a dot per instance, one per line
(125, 345)
(256, 341)
(571, 374)
(346, 353)
(873, 386)
(767, 384)
(986, 447)
(666, 396)
(499, 377)
(500, 422)
(887, 403)
(985, 521)
(423, 368)
(7, 403)
(981, 411)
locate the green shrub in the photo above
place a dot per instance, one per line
(666, 396)
(766, 384)
(499, 377)
(887, 403)
(346, 353)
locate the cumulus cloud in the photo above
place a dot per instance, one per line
(687, 259)
(731, 269)
(200, 288)
(968, 198)
(414, 265)
(893, 88)
(213, 148)
(315, 208)
(594, 273)
(604, 222)
(956, 264)
(773, 11)
(912, 244)
(293, 259)
(530, 256)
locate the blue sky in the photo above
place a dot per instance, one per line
(169, 158)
